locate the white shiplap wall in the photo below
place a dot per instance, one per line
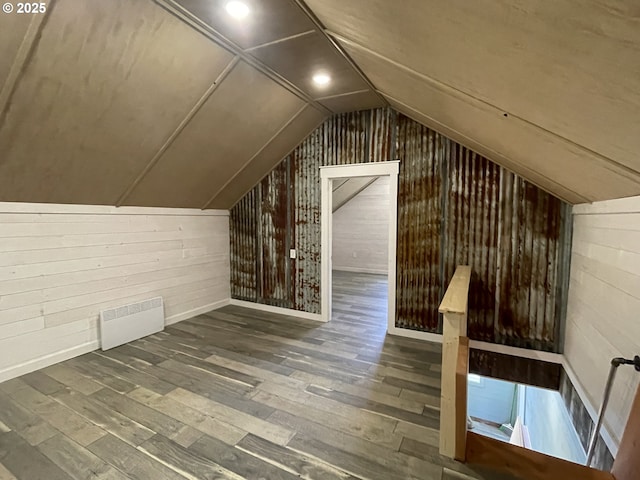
(361, 231)
(61, 264)
(603, 316)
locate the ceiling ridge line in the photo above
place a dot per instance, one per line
(179, 129)
(280, 40)
(330, 97)
(321, 28)
(190, 19)
(497, 154)
(603, 159)
(248, 162)
(23, 57)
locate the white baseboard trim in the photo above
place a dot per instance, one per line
(516, 351)
(48, 360)
(591, 409)
(179, 317)
(415, 334)
(282, 311)
(361, 270)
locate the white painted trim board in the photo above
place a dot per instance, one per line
(280, 310)
(327, 174)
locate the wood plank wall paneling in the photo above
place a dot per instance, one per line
(454, 207)
(61, 265)
(361, 231)
(603, 305)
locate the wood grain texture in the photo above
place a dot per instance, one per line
(298, 59)
(58, 270)
(99, 94)
(218, 139)
(269, 20)
(627, 462)
(511, 67)
(525, 464)
(230, 368)
(263, 161)
(462, 373)
(456, 298)
(483, 129)
(603, 305)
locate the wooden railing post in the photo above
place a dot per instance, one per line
(453, 404)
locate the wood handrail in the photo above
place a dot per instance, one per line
(455, 360)
(456, 298)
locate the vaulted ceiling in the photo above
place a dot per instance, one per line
(175, 103)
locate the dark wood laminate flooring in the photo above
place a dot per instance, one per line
(237, 394)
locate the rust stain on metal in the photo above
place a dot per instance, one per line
(454, 207)
(274, 226)
(419, 286)
(243, 234)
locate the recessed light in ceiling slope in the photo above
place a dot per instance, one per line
(321, 79)
(236, 9)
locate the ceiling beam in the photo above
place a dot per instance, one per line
(183, 124)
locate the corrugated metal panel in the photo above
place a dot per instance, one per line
(274, 237)
(345, 138)
(471, 232)
(419, 291)
(382, 135)
(243, 233)
(307, 159)
(530, 251)
(454, 207)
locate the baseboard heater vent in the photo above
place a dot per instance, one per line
(127, 323)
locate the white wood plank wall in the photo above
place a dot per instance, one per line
(603, 318)
(361, 231)
(60, 265)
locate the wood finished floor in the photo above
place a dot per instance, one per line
(237, 394)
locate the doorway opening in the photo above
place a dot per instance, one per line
(360, 251)
(367, 175)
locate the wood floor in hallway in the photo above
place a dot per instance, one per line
(234, 394)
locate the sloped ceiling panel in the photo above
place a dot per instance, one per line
(565, 76)
(13, 29)
(299, 58)
(269, 21)
(106, 85)
(239, 118)
(528, 150)
(266, 159)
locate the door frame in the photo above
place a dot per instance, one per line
(327, 174)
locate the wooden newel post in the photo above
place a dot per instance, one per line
(455, 353)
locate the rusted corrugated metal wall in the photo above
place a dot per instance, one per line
(472, 196)
(454, 207)
(243, 232)
(422, 155)
(273, 237)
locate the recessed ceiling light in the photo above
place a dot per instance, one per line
(321, 79)
(237, 9)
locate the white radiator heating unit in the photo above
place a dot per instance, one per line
(127, 323)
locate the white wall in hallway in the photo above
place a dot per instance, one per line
(61, 264)
(603, 317)
(361, 231)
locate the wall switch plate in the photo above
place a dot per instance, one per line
(292, 253)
